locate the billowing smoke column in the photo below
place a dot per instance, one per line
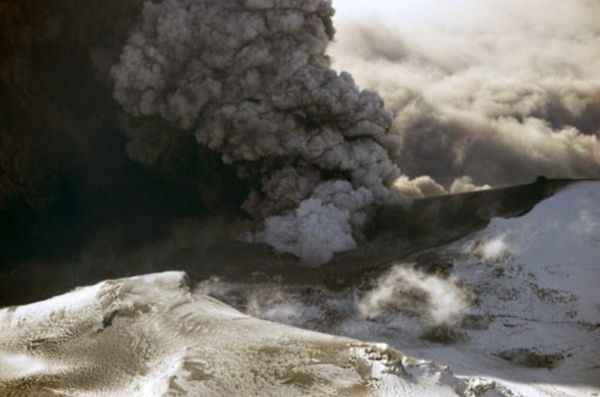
(251, 80)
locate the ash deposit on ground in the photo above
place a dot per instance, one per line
(392, 199)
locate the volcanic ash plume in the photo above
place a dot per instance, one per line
(250, 79)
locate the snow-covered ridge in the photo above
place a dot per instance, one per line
(150, 336)
(555, 248)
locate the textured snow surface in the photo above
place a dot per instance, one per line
(551, 258)
(150, 336)
(537, 281)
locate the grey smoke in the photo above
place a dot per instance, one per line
(250, 79)
(500, 92)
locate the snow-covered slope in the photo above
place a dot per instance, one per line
(537, 280)
(549, 259)
(150, 336)
(520, 306)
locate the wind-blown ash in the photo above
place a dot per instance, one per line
(498, 91)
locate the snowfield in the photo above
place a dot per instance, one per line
(513, 310)
(537, 279)
(525, 302)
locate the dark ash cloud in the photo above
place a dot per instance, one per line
(251, 81)
(119, 118)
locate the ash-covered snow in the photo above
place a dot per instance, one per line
(150, 336)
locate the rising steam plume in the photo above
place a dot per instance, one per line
(251, 81)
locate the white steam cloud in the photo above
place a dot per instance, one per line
(498, 91)
(251, 79)
(434, 299)
(496, 248)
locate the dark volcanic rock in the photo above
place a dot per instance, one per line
(531, 357)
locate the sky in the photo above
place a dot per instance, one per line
(406, 11)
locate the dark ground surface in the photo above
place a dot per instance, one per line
(393, 234)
